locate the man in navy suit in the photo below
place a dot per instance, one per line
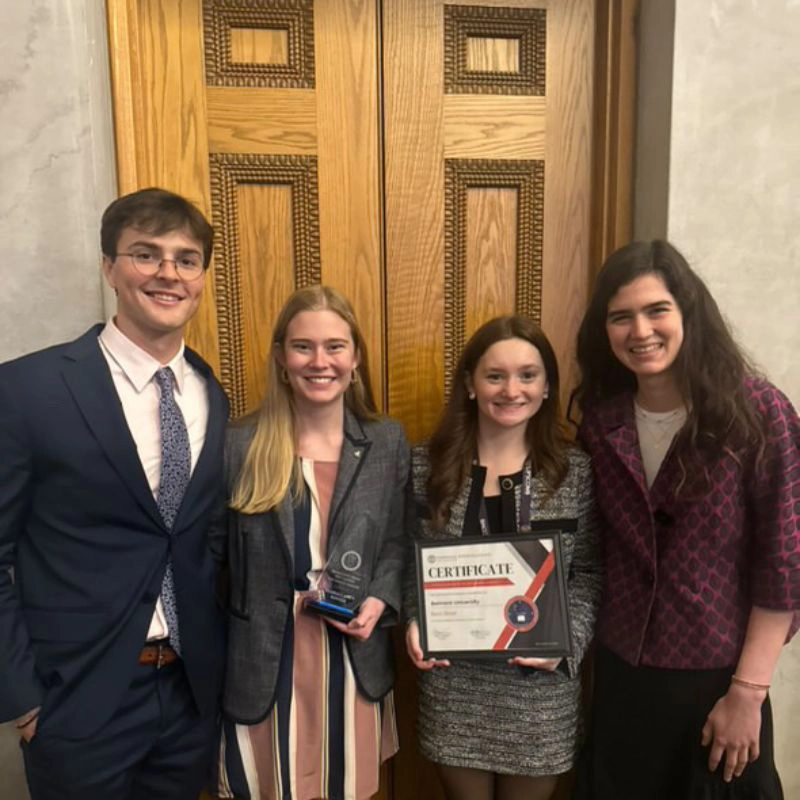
(111, 643)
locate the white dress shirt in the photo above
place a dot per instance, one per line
(133, 371)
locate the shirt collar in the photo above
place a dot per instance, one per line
(138, 366)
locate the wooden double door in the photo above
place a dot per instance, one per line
(440, 163)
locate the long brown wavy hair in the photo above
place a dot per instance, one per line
(453, 445)
(271, 467)
(710, 367)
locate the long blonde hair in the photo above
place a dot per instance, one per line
(271, 467)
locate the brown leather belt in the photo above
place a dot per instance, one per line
(157, 654)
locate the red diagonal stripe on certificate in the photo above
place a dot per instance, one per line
(468, 584)
(541, 576)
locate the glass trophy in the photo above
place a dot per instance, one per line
(339, 588)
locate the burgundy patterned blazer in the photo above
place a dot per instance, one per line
(684, 570)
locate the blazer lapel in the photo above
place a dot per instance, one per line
(355, 448)
(458, 511)
(620, 432)
(89, 380)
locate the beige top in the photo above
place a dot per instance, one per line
(656, 430)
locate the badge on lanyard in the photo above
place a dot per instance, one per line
(524, 505)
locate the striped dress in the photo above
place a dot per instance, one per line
(322, 739)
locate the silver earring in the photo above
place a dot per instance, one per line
(471, 395)
(354, 377)
(546, 395)
(284, 375)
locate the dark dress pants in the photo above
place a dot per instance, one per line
(155, 747)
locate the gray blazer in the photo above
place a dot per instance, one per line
(369, 503)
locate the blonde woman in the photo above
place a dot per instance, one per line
(315, 476)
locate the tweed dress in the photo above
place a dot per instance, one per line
(503, 718)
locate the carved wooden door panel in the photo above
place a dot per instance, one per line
(439, 162)
(266, 114)
(488, 131)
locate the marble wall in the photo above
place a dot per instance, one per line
(56, 169)
(734, 189)
(57, 174)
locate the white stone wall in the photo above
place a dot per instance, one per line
(56, 169)
(57, 175)
(734, 209)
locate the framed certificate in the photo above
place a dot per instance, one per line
(495, 596)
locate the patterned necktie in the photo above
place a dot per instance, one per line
(176, 463)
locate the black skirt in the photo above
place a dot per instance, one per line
(644, 737)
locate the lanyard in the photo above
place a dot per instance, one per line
(524, 505)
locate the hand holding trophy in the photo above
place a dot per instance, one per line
(361, 627)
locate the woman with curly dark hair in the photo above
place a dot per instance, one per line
(697, 468)
(500, 456)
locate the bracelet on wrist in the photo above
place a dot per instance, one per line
(762, 687)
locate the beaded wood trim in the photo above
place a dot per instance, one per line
(527, 25)
(229, 171)
(461, 175)
(296, 17)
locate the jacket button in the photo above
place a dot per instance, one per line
(507, 484)
(663, 517)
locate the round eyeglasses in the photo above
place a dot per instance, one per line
(188, 266)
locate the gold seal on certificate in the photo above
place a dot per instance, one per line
(501, 595)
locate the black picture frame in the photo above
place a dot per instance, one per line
(486, 607)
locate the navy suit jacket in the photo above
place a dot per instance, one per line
(80, 530)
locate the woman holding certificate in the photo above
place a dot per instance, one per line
(316, 487)
(697, 465)
(498, 462)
